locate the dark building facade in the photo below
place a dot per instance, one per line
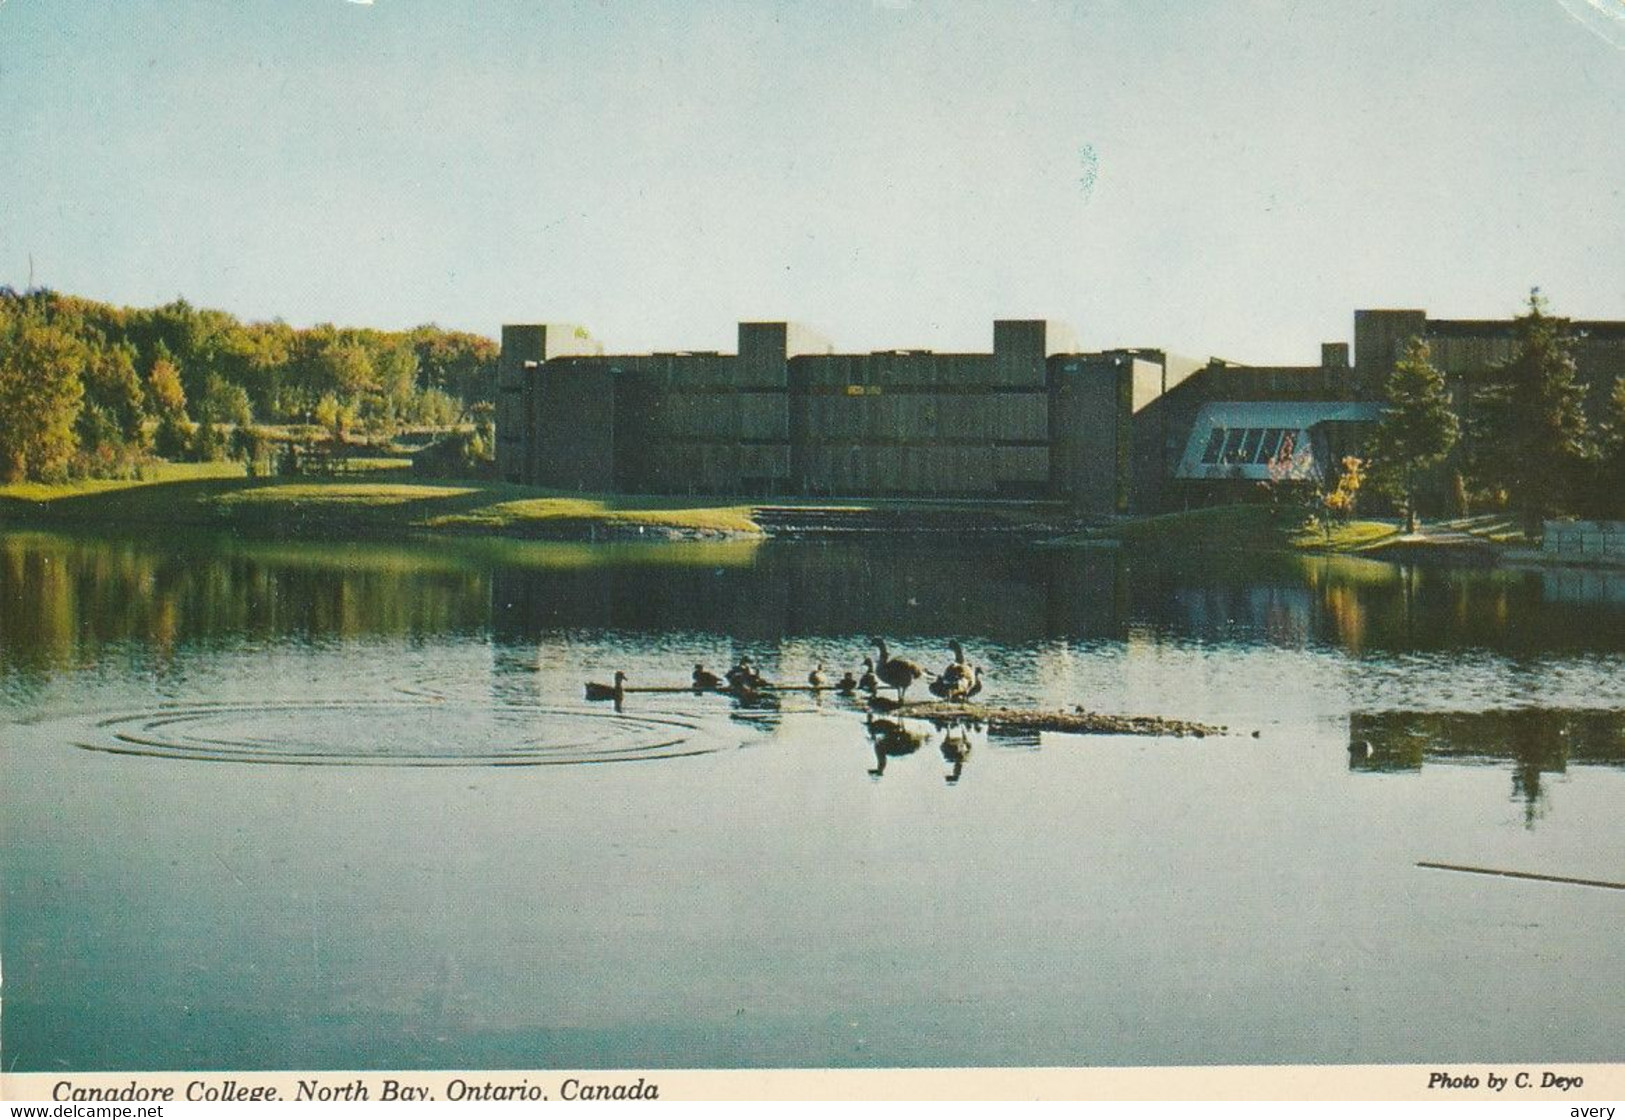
(786, 416)
(1108, 431)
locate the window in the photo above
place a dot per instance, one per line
(1270, 444)
(1215, 444)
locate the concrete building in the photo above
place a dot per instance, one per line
(784, 415)
(1466, 349)
(1107, 431)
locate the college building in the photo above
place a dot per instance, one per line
(1120, 430)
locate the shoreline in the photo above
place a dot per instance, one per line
(390, 505)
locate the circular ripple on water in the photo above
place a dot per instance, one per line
(398, 733)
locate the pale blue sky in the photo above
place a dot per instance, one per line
(1216, 178)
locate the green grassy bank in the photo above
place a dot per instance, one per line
(390, 503)
(381, 503)
(1237, 528)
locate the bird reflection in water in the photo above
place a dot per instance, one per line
(895, 738)
(955, 750)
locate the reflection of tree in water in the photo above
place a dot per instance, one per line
(1539, 746)
(79, 596)
(1537, 741)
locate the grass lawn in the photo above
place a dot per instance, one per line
(1343, 536)
(382, 503)
(1247, 527)
(151, 474)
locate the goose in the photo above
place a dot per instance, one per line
(705, 680)
(817, 679)
(742, 675)
(894, 671)
(958, 670)
(975, 684)
(869, 682)
(847, 685)
(961, 687)
(605, 692)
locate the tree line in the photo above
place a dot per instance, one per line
(1515, 436)
(90, 389)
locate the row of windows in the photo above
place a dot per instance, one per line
(1251, 445)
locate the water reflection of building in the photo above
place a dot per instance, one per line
(1537, 741)
(1583, 585)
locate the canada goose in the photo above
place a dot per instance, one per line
(869, 682)
(605, 692)
(705, 680)
(958, 670)
(847, 685)
(894, 671)
(958, 688)
(975, 684)
(817, 679)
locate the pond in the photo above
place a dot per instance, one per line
(327, 806)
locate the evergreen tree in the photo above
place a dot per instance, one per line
(1417, 430)
(1534, 440)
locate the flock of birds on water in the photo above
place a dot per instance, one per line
(957, 683)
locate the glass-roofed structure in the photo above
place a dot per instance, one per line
(1262, 441)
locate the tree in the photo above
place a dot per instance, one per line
(1610, 488)
(41, 388)
(225, 403)
(334, 415)
(1340, 501)
(1534, 439)
(164, 388)
(112, 384)
(1417, 430)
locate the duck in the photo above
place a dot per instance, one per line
(616, 693)
(705, 680)
(869, 682)
(817, 679)
(894, 672)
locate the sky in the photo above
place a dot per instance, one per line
(1213, 178)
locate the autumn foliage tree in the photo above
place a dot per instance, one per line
(84, 382)
(41, 387)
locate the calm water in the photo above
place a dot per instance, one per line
(301, 806)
